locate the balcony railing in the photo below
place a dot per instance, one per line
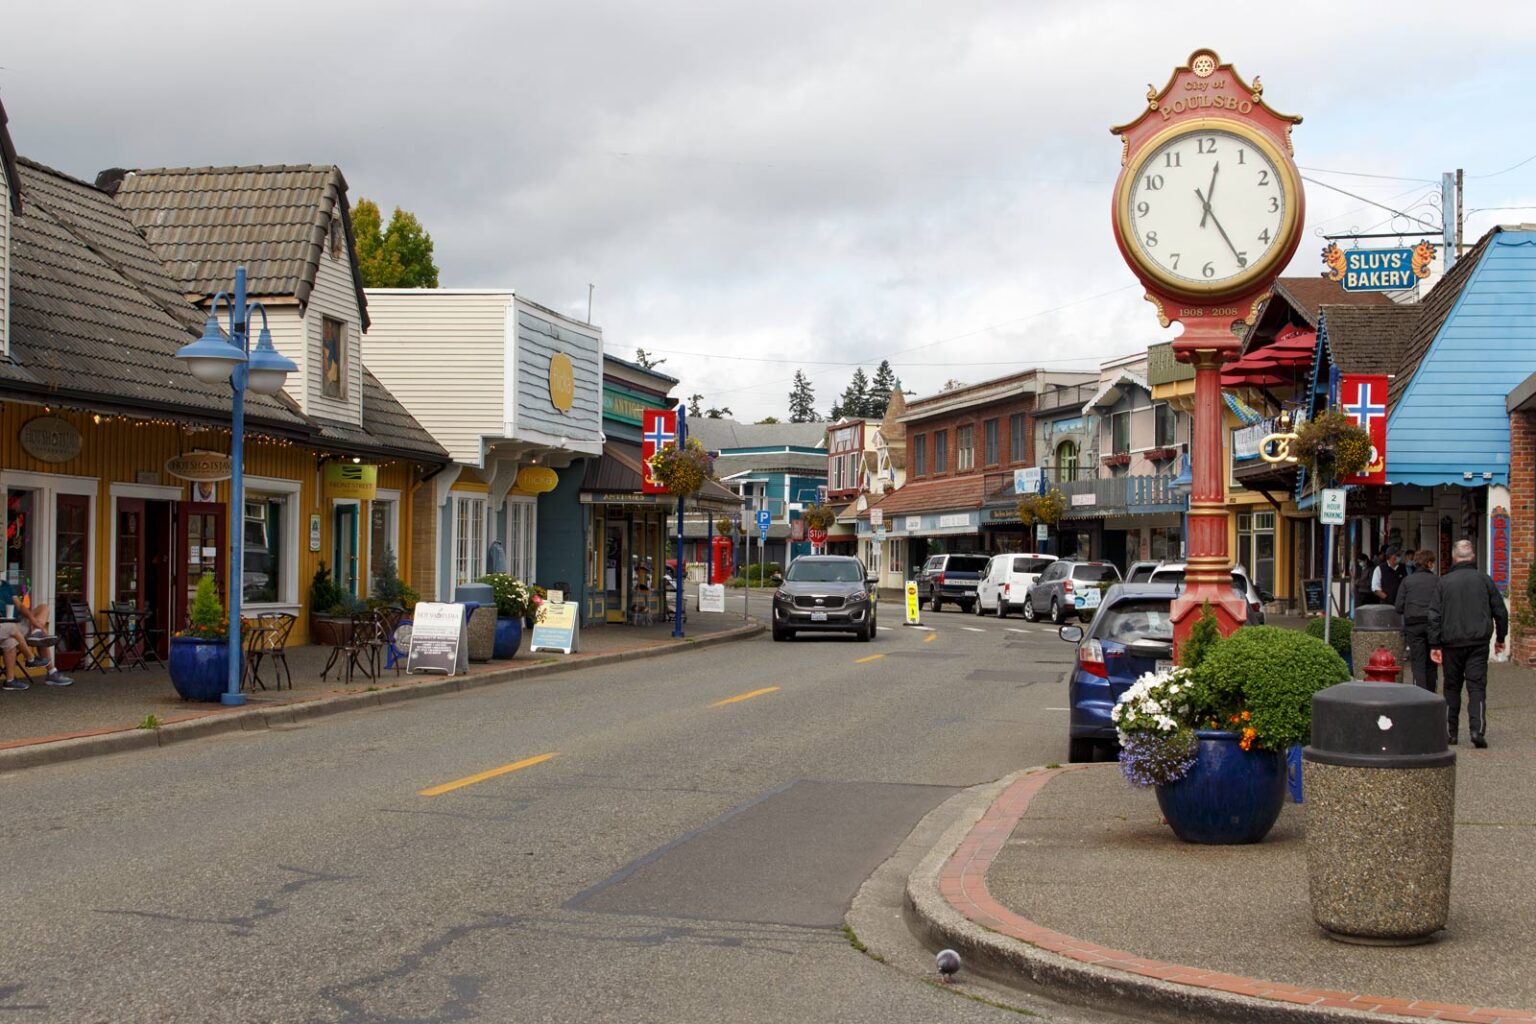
(1100, 496)
(1074, 397)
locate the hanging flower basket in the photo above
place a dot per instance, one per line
(819, 517)
(682, 469)
(1332, 446)
(1044, 508)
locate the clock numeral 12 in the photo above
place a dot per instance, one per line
(1208, 145)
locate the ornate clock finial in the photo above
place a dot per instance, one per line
(1151, 96)
(1258, 89)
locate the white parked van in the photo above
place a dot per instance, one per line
(1006, 580)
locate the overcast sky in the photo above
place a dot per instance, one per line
(758, 187)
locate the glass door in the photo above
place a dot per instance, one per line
(201, 552)
(344, 524)
(615, 571)
(71, 560)
(128, 573)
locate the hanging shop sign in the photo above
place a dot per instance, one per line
(1028, 481)
(562, 382)
(50, 439)
(200, 466)
(536, 480)
(1363, 397)
(659, 431)
(1378, 270)
(350, 480)
(1498, 562)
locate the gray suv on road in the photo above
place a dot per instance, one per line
(824, 594)
(1069, 587)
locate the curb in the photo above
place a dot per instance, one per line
(251, 719)
(948, 904)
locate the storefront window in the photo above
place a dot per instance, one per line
(919, 455)
(1165, 426)
(1120, 428)
(261, 568)
(990, 430)
(20, 508)
(965, 451)
(1066, 461)
(940, 452)
(521, 521)
(382, 519)
(1018, 443)
(468, 539)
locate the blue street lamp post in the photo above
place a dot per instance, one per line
(214, 359)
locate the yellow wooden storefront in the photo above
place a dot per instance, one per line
(94, 514)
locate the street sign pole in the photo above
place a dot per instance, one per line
(746, 591)
(682, 564)
(1328, 584)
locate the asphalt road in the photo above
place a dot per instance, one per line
(674, 839)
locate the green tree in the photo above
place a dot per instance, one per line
(647, 360)
(695, 405)
(880, 389)
(396, 256)
(855, 400)
(802, 400)
(721, 413)
(770, 419)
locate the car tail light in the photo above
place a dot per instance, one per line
(1090, 658)
(1007, 589)
(1066, 587)
(939, 578)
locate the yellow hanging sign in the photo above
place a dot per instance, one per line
(350, 480)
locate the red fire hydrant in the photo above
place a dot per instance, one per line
(1382, 668)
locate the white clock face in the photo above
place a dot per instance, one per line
(1206, 207)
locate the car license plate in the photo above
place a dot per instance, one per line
(1164, 665)
(818, 616)
(966, 584)
(1089, 599)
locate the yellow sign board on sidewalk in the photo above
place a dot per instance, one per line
(914, 618)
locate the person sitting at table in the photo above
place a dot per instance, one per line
(35, 619)
(13, 643)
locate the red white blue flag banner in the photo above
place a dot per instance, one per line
(659, 431)
(1363, 397)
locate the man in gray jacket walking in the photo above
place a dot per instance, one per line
(1467, 612)
(1414, 596)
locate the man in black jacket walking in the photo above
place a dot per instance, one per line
(1467, 611)
(1414, 596)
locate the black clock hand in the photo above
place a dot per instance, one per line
(1210, 193)
(1212, 214)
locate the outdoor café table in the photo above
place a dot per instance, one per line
(128, 628)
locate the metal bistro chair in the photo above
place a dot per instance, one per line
(357, 649)
(96, 645)
(128, 647)
(268, 642)
(387, 621)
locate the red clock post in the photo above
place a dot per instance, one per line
(1208, 210)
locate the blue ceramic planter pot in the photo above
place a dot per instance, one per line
(509, 637)
(199, 668)
(1231, 795)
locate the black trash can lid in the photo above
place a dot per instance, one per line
(1379, 725)
(1377, 616)
(479, 592)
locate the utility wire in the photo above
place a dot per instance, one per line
(1373, 202)
(1362, 174)
(1511, 167)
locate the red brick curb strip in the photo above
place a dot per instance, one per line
(1050, 955)
(72, 746)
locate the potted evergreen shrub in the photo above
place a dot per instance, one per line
(1211, 735)
(199, 662)
(328, 625)
(517, 604)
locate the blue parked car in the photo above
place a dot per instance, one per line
(1131, 634)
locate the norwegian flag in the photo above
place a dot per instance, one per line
(1363, 397)
(659, 431)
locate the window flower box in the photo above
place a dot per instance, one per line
(1118, 459)
(1162, 454)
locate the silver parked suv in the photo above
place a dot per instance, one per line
(1069, 587)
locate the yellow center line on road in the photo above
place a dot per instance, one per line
(470, 780)
(744, 696)
(865, 661)
(930, 638)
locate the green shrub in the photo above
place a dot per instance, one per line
(1338, 634)
(762, 575)
(207, 620)
(1262, 678)
(324, 593)
(1203, 637)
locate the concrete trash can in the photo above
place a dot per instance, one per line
(480, 604)
(1376, 625)
(1381, 800)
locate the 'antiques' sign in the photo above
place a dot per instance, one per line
(1378, 270)
(206, 467)
(349, 480)
(50, 439)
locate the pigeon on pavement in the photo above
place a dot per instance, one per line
(949, 964)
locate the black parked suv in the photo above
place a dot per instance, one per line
(824, 593)
(950, 578)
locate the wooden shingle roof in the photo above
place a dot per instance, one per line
(273, 219)
(1368, 339)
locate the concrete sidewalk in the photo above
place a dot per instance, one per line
(103, 711)
(1070, 880)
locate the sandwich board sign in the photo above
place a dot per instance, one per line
(712, 597)
(556, 629)
(439, 640)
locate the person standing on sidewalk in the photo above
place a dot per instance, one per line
(1388, 577)
(1414, 597)
(1467, 611)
